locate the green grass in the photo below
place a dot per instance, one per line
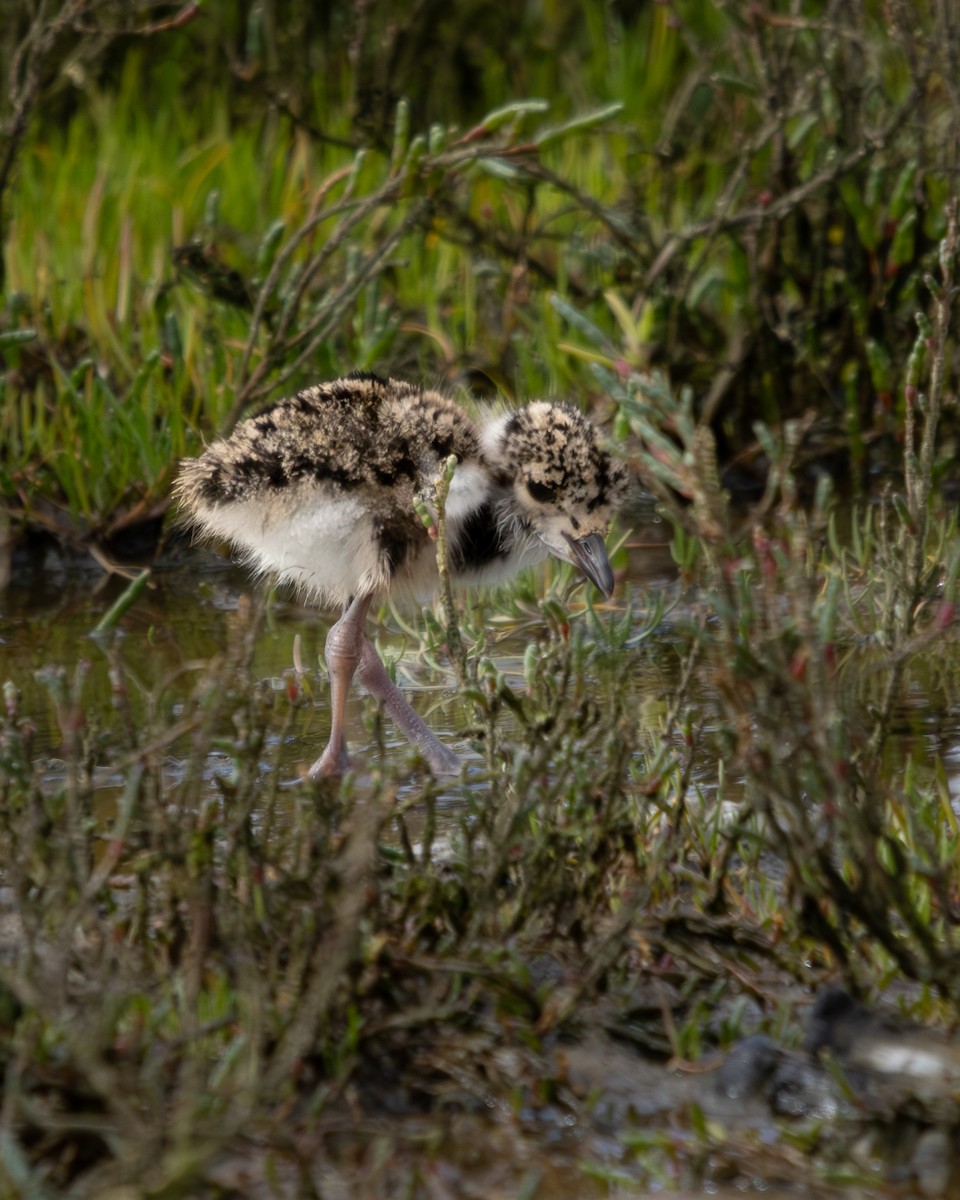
(129, 352)
(773, 243)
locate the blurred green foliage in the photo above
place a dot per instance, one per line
(206, 203)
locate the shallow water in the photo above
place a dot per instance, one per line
(185, 616)
(183, 619)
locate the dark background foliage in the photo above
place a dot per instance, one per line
(765, 203)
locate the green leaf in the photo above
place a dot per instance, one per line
(511, 112)
(583, 324)
(499, 169)
(267, 250)
(15, 337)
(129, 597)
(733, 83)
(578, 124)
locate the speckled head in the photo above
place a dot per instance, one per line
(566, 485)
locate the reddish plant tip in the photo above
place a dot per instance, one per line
(945, 614)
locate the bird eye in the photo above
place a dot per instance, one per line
(541, 492)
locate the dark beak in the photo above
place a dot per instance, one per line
(590, 555)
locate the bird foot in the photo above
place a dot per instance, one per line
(333, 762)
(440, 759)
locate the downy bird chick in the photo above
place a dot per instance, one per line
(318, 490)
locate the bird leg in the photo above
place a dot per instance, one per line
(342, 650)
(372, 675)
(350, 653)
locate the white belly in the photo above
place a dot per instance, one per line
(323, 547)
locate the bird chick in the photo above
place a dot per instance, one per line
(319, 490)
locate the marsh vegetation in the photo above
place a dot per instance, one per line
(731, 234)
